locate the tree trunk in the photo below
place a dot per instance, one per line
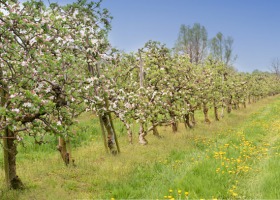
(205, 112)
(113, 128)
(187, 121)
(62, 148)
(155, 131)
(10, 152)
(235, 106)
(103, 134)
(229, 105)
(110, 134)
(9, 145)
(222, 111)
(174, 127)
(106, 120)
(216, 111)
(192, 118)
(69, 149)
(129, 133)
(142, 134)
(174, 124)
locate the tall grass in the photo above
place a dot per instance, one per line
(192, 161)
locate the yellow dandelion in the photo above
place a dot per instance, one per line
(234, 194)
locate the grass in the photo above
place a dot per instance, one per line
(237, 157)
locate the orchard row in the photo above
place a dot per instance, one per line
(56, 63)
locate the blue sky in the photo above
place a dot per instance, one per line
(254, 25)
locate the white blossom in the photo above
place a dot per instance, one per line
(58, 39)
(27, 105)
(15, 110)
(86, 87)
(82, 33)
(94, 41)
(48, 89)
(19, 138)
(75, 13)
(32, 41)
(127, 105)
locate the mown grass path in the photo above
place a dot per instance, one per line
(237, 157)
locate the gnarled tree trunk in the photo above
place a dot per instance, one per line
(205, 112)
(155, 130)
(229, 105)
(111, 142)
(192, 117)
(174, 124)
(187, 121)
(62, 148)
(244, 103)
(216, 110)
(10, 152)
(106, 119)
(142, 134)
(129, 133)
(9, 145)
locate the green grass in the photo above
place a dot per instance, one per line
(237, 157)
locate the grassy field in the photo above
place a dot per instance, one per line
(237, 157)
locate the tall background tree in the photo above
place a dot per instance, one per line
(193, 42)
(221, 49)
(275, 65)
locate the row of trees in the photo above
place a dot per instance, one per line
(156, 86)
(56, 62)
